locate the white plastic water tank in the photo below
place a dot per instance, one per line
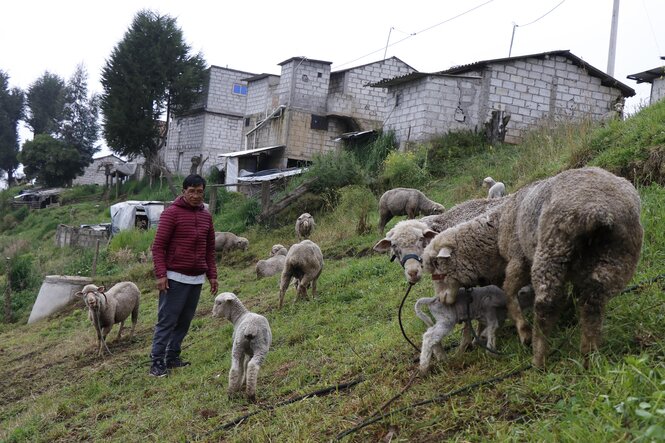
(56, 292)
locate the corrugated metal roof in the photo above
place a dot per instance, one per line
(648, 76)
(386, 82)
(250, 151)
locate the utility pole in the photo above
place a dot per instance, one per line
(613, 39)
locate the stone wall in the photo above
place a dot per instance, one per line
(657, 90)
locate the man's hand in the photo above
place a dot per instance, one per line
(162, 284)
(213, 286)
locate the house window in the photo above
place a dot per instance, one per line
(398, 99)
(239, 89)
(319, 122)
(319, 75)
(247, 121)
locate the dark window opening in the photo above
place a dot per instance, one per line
(319, 122)
(295, 163)
(247, 121)
(319, 75)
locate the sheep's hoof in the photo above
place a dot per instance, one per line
(424, 371)
(251, 398)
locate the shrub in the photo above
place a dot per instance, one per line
(404, 169)
(372, 154)
(334, 170)
(135, 240)
(448, 150)
(22, 272)
(355, 203)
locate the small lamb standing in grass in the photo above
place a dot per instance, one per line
(485, 304)
(304, 262)
(405, 201)
(496, 189)
(228, 241)
(272, 265)
(251, 341)
(106, 308)
(304, 226)
(581, 228)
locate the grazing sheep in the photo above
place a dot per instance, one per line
(487, 305)
(106, 308)
(405, 201)
(251, 341)
(496, 189)
(304, 262)
(228, 241)
(304, 226)
(408, 238)
(272, 265)
(581, 226)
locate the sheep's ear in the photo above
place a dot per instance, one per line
(79, 294)
(383, 245)
(101, 289)
(429, 235)
(444, 252)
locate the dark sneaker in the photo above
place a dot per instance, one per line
(176, 363)
(158, 369)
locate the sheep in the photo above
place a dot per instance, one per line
(581, 226)
(304, 262)
(251, 341)
(496, 189)
(272, 265)
(304, 226)
(228, 241)
(486, 304)
(106, 308)
(405, 201)
(408, 238)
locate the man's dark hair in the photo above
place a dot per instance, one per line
(193, 181)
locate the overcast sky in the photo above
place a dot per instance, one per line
(431, 35)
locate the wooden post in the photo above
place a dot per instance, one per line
(212, 206)
(265, 195)
(93, 271)
(8, 293)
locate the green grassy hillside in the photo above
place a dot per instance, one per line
(54, 388)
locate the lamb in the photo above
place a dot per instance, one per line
(106, 308)
(405, 201)
(496, 189)
(272, 265)
(304, 226)
(408, 238)
(581, 227)
(228, 241)
(304, 262)
(251, 341)
(486, 304)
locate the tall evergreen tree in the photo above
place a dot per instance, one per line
(150, 74)
(12, 107)
(46, 102)
(80, 124)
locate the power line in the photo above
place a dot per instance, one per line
(515, 25)
(653, 34)
(416, 33)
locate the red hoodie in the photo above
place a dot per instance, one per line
(185, 241)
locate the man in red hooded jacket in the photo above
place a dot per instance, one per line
(183, 255)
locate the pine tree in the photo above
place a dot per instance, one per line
(12, 107)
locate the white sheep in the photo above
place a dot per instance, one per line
(496, 189)
(405, 201)
(106, 308)
(581, 227)
(304, 226)
(273, 264)
(407, 239)
(485, 304)
(304, 262)
(251, 341)
(228, 241)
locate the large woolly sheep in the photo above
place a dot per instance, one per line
(485, 304)
(495, 189)
(228, 241)
(251, 341)
(408, 238)
(581, 226)
(304, 262)
(405, 201)
(273, 264)
(304, 226)
(106, 308)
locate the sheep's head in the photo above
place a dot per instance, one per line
(242, 243)
(436, 209)
(439, 260)
(488, 182)
(406, 242)
(278, 250)
(223, 304)
(93, 296)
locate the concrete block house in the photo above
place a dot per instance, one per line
(248, 123)
(655, 76)
(527, 90)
